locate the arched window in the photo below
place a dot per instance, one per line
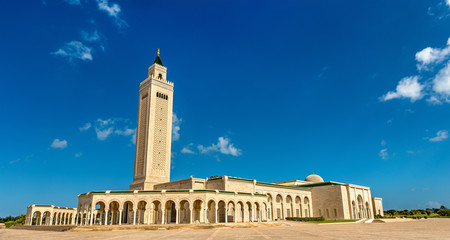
(160, 76)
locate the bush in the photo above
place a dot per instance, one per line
(378, 216)
(308, 219)
(444, 212)
(9, 224)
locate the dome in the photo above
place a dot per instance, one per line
(314, 178)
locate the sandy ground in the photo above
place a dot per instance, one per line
(418, 229)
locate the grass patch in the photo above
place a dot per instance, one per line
(335, 221)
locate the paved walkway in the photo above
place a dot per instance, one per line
(419, 229)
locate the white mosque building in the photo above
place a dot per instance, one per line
(153, 199)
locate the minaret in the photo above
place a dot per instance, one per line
(154, 129)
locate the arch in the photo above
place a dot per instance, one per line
(240, 211)
(46, 218)
(289, 206)
(221, 211)
(360, 207)
(197, 211)
(211, 211)
(185, 211)
(307, 207)
(156, 212)
(279, 208)
(264, 212)
(354, 209)
(170, 211)
(256, 212)
(113, 216)
(270, 207)
(231, 211)
(298, 206)
(128, 209)
(367, 210)
(141, 214)
(248, 212)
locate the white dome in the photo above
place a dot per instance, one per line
(314, 178)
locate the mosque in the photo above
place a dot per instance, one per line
(153, 199)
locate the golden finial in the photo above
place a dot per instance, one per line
(158, 51)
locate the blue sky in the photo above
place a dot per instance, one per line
(356, 91)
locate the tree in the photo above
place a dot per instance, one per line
(20, 220)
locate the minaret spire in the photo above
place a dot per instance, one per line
(158, 60)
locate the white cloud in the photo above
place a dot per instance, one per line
(73, 2)
(59, 144)
(408, 87)
(187, 150)
(383, 143)
(383, 154)
(223, 146)
(441, 135)
(85, 127)
(433, 100)
(77, 155)
(103, 134)
(125, 132)
(429, 56)
(133, 138)
(104, 128)
(434, 204)
(447, 2)
(75, 49)
(441, 82)
(113, 10)
(90, 37)
(176, 127)
(14, 161)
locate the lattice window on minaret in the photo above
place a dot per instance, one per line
(160, 133)
(142, 136)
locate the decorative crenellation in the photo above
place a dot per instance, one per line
(156, 79)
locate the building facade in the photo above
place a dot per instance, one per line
(153, 199)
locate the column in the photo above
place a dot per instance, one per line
(120, 217)
(215, 215)
(259, 215)
(250, 215)
(226, 215)
(190, 215)
(267, 215)
(206, 215)
(177, 215)
(64, 222)
(40, 220)
(134, 216)
(106, 216)
(162, 217)
(148, 216)
(243, 215)
(235, 217)
(91, 217)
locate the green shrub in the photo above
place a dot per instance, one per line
(308, 219)
(9, 224)
(378, 216)
(444, 212)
